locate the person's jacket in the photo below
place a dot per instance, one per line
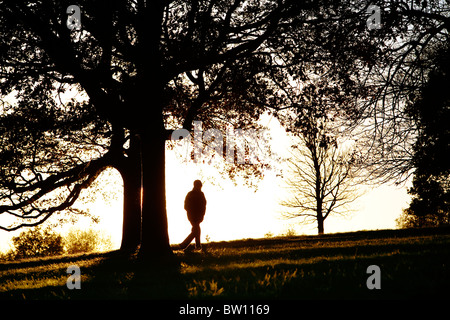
(195, 205)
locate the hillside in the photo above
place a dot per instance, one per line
(412, 264)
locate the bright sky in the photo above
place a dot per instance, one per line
(236, 212)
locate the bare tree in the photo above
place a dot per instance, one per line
(322, 171)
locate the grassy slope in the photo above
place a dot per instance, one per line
(414, 264)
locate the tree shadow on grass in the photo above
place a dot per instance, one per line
(125, 276)
(157, 279)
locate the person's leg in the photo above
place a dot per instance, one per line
(197, 232)
(188, 239)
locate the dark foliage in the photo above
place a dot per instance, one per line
(430, 205)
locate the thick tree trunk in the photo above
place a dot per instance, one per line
(155, 237)
(145, 217)
(131, 175)
(147, 101)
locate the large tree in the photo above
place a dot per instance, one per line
(77, 100)
(430, 205)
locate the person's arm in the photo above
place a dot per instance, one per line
(186, 203)
(204, 204)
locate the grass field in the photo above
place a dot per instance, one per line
(413, 264)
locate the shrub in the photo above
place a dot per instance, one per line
(83, 241)
(36, 243)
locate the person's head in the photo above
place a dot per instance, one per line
(197, 185)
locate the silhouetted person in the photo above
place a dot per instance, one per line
(195, 205)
